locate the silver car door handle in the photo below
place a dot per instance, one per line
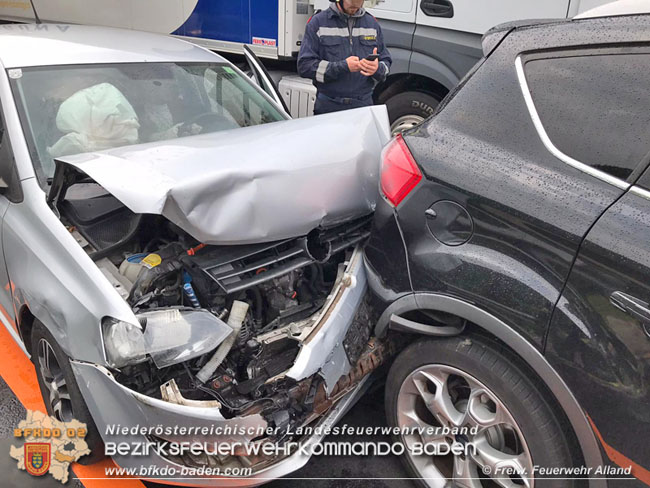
(631, 305)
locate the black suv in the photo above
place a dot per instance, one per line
(514, 237)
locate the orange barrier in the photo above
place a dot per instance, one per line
(19, 374)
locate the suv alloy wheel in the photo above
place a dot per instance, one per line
(470, 381)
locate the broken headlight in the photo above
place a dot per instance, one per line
(123, 342)
(168, 336)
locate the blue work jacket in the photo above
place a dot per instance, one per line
(332, 36)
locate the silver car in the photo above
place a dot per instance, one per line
(178, 252)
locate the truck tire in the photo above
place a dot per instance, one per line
(472, 381)
(60, 391)
(405, 110)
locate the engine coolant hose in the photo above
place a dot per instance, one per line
(235, 320)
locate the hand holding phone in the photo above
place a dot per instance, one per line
(370, 64)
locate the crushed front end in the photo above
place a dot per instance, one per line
(297, 356)
(249, 310)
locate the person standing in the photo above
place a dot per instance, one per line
(343, 51)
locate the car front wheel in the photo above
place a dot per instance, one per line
(60, 391)
(471, 395)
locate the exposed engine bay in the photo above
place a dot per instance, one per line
(248, 312)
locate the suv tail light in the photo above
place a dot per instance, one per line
(399, 172)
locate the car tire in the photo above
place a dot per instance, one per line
(65, 402)
(527, 426)
(406, 110)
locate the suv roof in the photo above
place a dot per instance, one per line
(496, 34)
(632, 12)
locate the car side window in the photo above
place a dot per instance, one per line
(225, 91)
(9, 181)
(594, 106)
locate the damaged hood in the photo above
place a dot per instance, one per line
(253, 184)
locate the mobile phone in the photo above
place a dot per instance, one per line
(372, 57)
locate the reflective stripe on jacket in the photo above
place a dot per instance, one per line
(332, 36)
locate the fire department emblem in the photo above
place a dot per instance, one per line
(49, 445)
(37, 458)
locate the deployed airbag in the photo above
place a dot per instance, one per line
(253, 184)
(95, 118)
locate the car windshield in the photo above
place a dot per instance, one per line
(75, 109)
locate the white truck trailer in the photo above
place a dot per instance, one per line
(434, 43)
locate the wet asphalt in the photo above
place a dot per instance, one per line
(11, 413)
(320, 472)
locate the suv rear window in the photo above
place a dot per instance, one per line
(595, 108)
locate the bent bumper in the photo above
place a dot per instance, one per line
(117, 409)
(112, 404)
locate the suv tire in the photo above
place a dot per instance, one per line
(527, 424)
